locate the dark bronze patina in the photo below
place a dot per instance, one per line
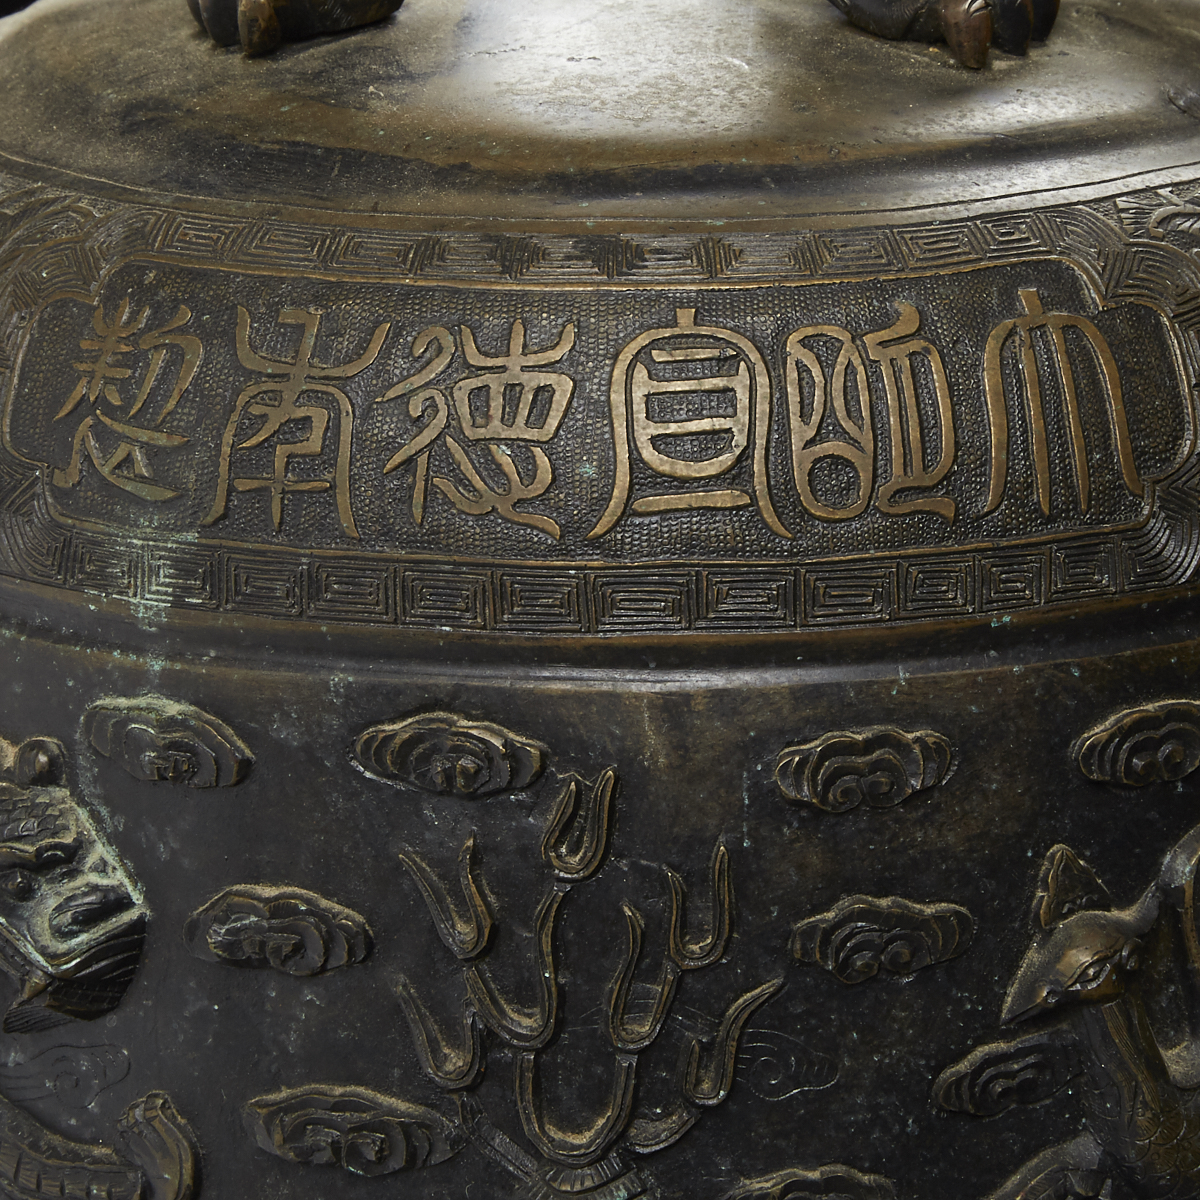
(261, 26)
(969, 27)
(600, 601)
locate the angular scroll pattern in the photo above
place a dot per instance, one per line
(358, 1130)
(161, 740)
(1157, 743)
(862, 936)
(287, 929)
(59, 248)
(830, 1181)
(881, 766)
(450, 755)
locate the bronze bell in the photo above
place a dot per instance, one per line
(599, 600)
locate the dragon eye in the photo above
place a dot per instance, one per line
(1093, 975)
(18, 883)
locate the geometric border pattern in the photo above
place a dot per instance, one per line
(593, 599)
(59, 241)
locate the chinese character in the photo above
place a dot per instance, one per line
(516, 371)
(120, 431)
(1052, 326)
(689, 401)
(277, 401)
(858, 447)
(896, 359)
(510, 401)
(817, 389)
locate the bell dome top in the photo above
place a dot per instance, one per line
(585, 113)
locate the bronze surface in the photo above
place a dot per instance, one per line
(599, 602)
(753, 111)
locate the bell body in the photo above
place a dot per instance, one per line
(561, 571)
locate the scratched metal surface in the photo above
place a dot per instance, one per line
(752, 110)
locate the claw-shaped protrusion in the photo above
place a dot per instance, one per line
(263, 25)
(649, 1135)
(705, 949)
(526, 1028)
(575, 1148)
(969, 27)
(161, 1142)
(633, 1034)
(450, 1067)
(577, 837)
(464, 935)
(708, 1076)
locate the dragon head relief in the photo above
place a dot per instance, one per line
(1086, 961)
(1083, 950)
(72, 918)
(1088, 1011)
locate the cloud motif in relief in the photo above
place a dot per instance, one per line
(881, 766)
(1156, 744)
(862, 936)
(285, 929)
(358, 1130)
(450, 755)
(165, 741)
